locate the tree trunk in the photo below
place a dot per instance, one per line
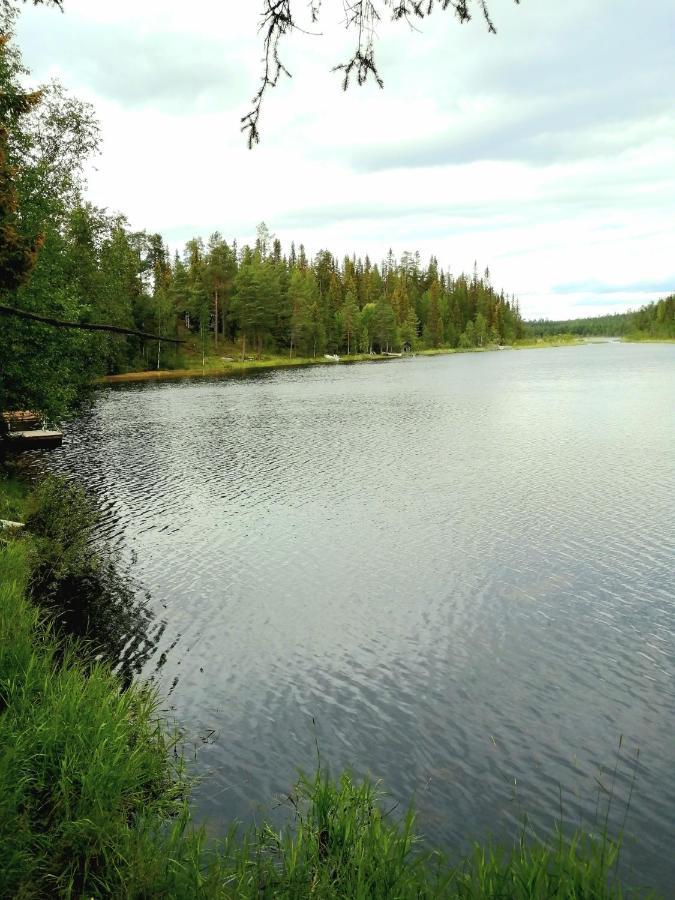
(159, 332)
(243, 346)
(215, 330)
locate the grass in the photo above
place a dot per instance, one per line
(94, 802)
(555, 340)
(13, 494)
(343, 845)
(641, 337)
(214, 364)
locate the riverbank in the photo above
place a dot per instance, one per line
(215, 365)
(95, 796)
(553, 342)
(638, 339)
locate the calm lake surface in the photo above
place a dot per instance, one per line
(455, 572)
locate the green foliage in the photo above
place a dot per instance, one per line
(613, 325)
(62, 518)
(43, 136)
(12, 497)
(83, 767)
(569, 868)
(409, 329)
(654, 321)
(433, 330)
(341, 845)
(349, 318)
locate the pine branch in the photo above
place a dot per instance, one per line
(8, 5)
(360, 16)
(276, 22)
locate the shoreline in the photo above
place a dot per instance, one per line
(216, 367)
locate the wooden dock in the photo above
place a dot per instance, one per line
(21, 420)
(33, 440)
(24, 430)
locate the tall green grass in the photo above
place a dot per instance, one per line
(343, 846)
(12, 497)
(94, 802)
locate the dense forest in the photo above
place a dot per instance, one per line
(259, 298)
(72, 261)
(655, 320)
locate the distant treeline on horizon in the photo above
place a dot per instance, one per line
(655, 320)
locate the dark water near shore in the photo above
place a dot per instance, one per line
(460, 568)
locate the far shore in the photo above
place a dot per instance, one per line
(216, 366)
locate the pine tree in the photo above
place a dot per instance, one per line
(481, 330)
(350, 320)
(401, 299)
(384, 325)
(433, 332)
(409, 329)
(297, 300)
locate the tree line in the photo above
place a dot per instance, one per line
(259, 298)
(262, 299)
(655, 320)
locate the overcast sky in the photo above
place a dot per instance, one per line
(546, 152)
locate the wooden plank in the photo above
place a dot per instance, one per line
(22, 419)
(33, 440)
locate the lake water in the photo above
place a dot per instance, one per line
(456, 573)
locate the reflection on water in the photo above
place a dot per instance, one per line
(459, 568)
(84, 584)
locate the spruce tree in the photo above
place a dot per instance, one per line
(433, 332)
(350, 320)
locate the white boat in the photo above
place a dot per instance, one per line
(332, 356)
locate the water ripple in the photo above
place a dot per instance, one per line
(454, 573)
